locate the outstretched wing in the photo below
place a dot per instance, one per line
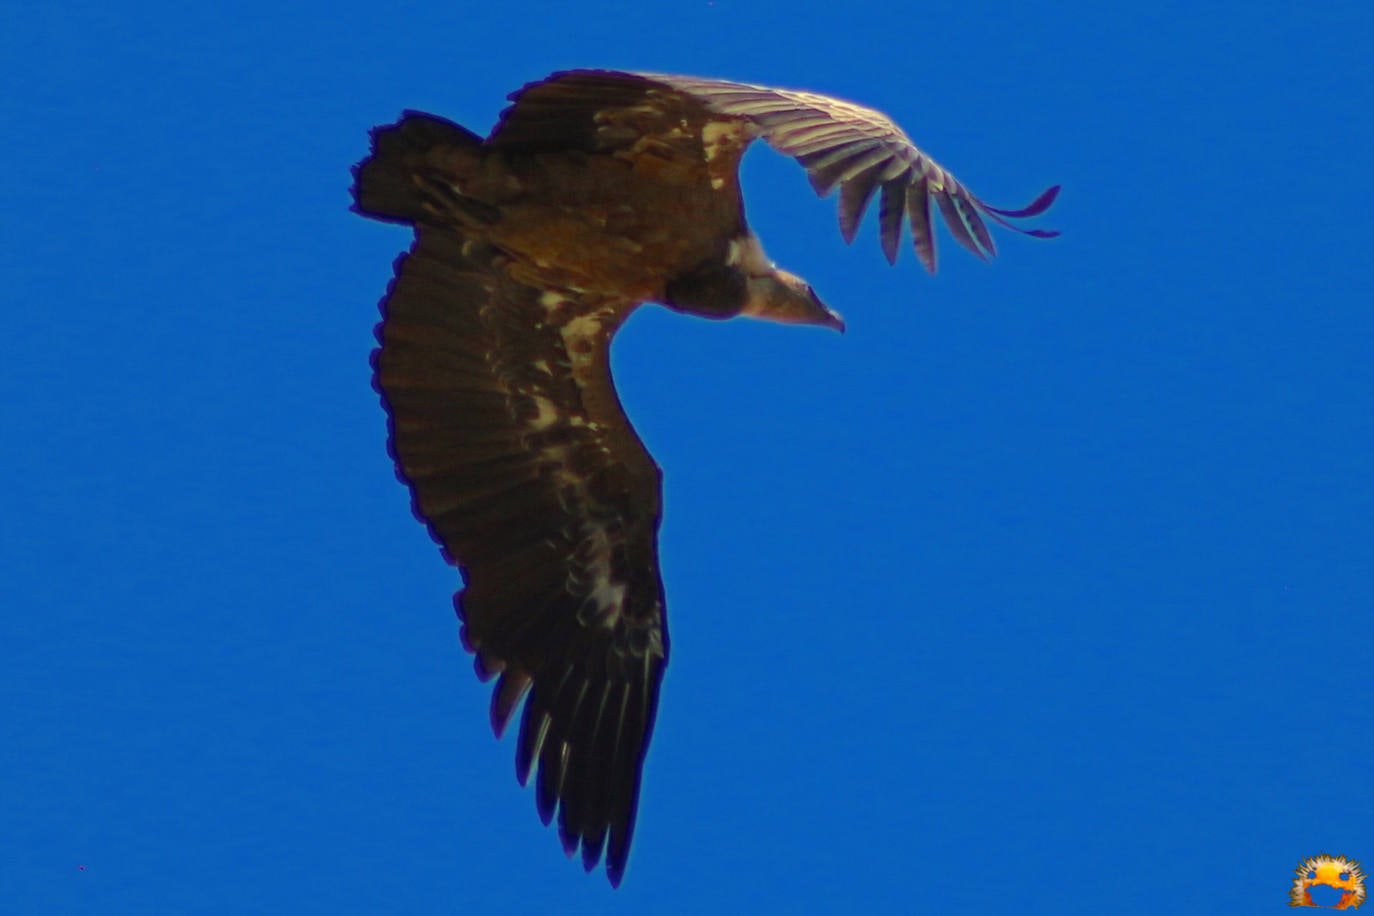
(505, 426)
(841, 145)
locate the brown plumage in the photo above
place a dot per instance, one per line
(597, 191)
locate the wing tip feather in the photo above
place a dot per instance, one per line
(1034, 208)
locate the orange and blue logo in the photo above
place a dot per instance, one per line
(1339, 872)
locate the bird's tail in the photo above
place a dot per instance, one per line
(399, 181)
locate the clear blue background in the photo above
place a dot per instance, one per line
(1046, 589)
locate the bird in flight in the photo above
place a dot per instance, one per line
(597, 191)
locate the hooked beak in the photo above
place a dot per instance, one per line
(786, 298)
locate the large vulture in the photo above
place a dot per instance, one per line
(597, 191)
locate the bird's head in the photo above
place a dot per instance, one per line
(781, 296)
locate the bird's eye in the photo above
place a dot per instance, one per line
(1311, 875)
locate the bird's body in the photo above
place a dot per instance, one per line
(597, 191)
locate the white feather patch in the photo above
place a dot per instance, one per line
(746, 252)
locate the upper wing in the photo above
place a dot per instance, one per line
(504, 425)
(857, 149)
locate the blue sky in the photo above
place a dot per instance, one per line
(1045, 589)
